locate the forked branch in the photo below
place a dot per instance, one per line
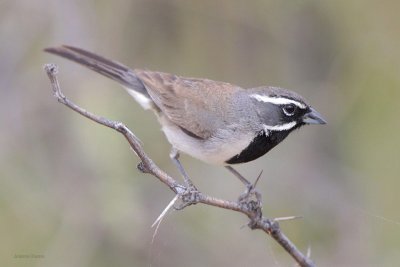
(188, 196)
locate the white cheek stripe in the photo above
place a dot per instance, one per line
(282, 127)
(277, 100)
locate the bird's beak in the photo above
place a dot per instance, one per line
(313, 117)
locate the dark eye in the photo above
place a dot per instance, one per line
(289, 109)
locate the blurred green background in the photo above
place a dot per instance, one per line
(70, 192)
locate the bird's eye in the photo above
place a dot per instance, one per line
(289, 109)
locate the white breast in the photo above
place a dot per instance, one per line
(215, 150)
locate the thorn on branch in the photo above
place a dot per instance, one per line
(287, 218)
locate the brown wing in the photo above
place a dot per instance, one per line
(192, 104)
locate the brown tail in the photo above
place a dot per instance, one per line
(106, 67)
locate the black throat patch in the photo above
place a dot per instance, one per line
(260, 145)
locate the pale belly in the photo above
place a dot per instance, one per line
(215, 150)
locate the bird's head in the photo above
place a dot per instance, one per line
(281, 110)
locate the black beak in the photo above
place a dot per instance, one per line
(313, 117)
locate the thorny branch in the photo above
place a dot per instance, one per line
(188, 196)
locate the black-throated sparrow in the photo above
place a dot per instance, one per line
(216, 122)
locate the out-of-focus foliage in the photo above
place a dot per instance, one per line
(69, 189)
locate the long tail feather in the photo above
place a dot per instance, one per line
(99, 64)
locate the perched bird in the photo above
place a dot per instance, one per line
(216, 122)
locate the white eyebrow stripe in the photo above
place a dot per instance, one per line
(286, 126)
(277, 100)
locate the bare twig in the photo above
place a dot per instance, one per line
(188, 196)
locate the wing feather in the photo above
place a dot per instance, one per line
(192, 104)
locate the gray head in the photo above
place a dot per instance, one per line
(280, 111)
(283, 110)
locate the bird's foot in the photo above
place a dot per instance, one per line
(190, 196)
(251, 195)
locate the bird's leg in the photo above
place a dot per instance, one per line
(239, 176)
(174, 155)
(250, 187)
